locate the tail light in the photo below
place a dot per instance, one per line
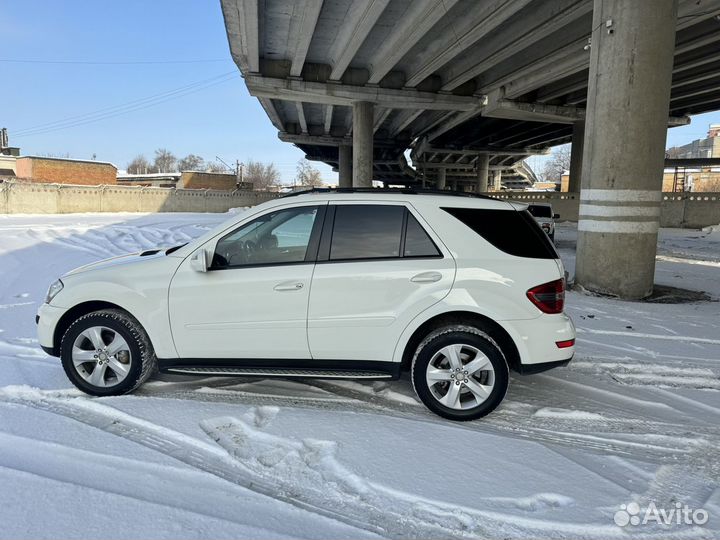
(549, 297)
(565, 344)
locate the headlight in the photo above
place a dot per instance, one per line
(53, 290)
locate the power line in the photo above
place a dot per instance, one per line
(112, 63)
(126, 104)
(119, 110)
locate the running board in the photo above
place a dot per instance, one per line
(318, 369)
(261, 372)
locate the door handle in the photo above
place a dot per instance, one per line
(289, 286)
(426, 277)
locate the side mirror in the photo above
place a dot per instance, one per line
(556, 216)
(198, 260)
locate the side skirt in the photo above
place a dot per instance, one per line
(301, 368)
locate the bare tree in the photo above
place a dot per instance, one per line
(262, 176)
(558, 163)
(216, 167)
(191, 162)
(140, 165)
(165, 160)
(307, 175)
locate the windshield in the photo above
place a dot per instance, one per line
(540, 211)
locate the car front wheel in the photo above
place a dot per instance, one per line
(459, 372)
(107, 353)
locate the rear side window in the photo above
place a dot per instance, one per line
(367, 231)
(417, 241)
(513, 232)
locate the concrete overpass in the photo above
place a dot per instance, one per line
(470, 86)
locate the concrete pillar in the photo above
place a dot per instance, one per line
(628, 99)
(442, 175)
(362, 170)
(576, 156)
(482, 167)
(345, 166)
(497, 180)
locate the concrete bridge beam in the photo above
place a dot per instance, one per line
(345, 168)
(630, 77)
(576, 156)
(497, 179)
(483, 169)
(362, 151)
(441, 178)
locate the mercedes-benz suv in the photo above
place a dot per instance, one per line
(364, 284)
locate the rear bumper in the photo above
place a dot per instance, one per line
(530, 369)
(536, 341)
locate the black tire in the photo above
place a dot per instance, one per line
(142, 355)
(460, 334)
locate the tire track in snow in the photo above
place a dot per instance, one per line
(620, 436)
(127, 477)
(361, 503)
(309, 468)
(642, 335)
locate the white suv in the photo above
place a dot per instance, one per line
(543, 214)
(356, 284)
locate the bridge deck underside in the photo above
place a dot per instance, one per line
(501, 75)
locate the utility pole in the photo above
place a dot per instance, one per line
(239, 173)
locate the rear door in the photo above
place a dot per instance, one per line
(379, 266)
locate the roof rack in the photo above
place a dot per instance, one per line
(402, 191)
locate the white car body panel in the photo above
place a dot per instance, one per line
(139, 285)
(237, 313)
(359, 310)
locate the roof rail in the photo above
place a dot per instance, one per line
(401, 190)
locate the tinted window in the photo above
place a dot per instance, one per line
(417, 242)
(366, 231)
(275, 238)
(540, 211)
(516, 233)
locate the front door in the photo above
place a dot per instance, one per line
(252, 302)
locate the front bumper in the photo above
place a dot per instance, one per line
(47, 319)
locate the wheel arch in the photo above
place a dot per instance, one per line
(77, 311)
(498, 333)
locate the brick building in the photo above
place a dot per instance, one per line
(210, 180)
(50, 170)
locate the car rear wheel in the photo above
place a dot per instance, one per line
(459, 372)
(107, 353)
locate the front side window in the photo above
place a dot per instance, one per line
(280, 237)
(367, 231)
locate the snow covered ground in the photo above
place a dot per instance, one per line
(635, 418)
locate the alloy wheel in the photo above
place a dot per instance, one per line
(460, 376)
(101, 356)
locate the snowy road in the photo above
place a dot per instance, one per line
(634, 418)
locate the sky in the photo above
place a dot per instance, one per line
(216, 118)
(63, 64)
